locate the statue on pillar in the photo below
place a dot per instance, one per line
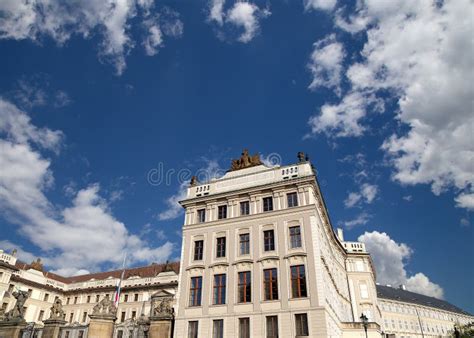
(162, 307)
(57, 311)
(105, 307)
(18, 311)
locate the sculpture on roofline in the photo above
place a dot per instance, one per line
(245, 161)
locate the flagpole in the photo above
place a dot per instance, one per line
(119, 283)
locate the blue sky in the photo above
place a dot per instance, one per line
(96, 97)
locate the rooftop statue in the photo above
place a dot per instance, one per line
(245, 161)
(37, 265)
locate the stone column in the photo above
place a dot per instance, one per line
(12, 329)
(101, 325)
(52, 327)
(160, 327)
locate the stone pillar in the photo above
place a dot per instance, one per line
(160, 327)
(12, 329)
(52, 327)
(101, 325)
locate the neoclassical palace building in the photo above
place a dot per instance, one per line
(259, 258)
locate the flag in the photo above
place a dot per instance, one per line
(119, 284)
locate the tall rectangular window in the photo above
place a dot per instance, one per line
(135, 297)
(301, 320)
(244, 208)
(125, 298)
(88, 299)
(201, 215)
(195, 291)
(122, 317)
(222, 211)
(364, 292)
(270, 284)
(244, 287)
(84, 317)
(198, 250)
(46, 297)
(219, 289)
(272, 326)
(75, 300)
(269, 240)
(41, 315)
(220, 247)
(244, 241)
(244, 327)
(292, 199)
(218, 328)
(298, 281)
(193, 327)
(295, 237)
(267, 203)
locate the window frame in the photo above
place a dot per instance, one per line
(221, 244)
(267, 204)
(293, 197)
(244, 208)
(296, 240)
(195, 291)
(246, 244)
(300, 282)
(268, 241)
(219, 333)
(270, 284)
(244, 287)
(301, 325)
(201, 215)
(273, 320)
(193, 329)
(246, 322)
(222, 211)
(219, 289)
(198, 251)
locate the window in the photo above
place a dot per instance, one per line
(67, 334)
(244, 208)
(270, 284)
(135, 297)
(218, 328)
(193, 329)
(198, 250)
(244, 240)
(84, 317)
(11, 287)
(301, 324)
(81, 334)
(244, 327)
(222, 212)
(97, 298)
(71, 316)
(220, 250)
(219, 289)
(196, 290)
(75, 300)
(134, 314)
(30, 292)
(298, 281)
(88, 299)
(46, 297)
(364, 293)
(40, 316)
(292, 199)
(201, 215)
(122, 317)
(272, 327)
(268, 240)
(125, 298)
(244, 287)
(68, 300)
(267, 203)
(295, 237)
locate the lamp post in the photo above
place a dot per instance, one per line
(365, 322)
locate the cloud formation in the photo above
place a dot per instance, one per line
(390, 259)
(61, 20)
(367, 194)
(84, 234)
(420, 56)
(243, 15)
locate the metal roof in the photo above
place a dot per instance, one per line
(398, 294)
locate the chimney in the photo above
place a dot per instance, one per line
(340, 234)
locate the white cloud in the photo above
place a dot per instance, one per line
(422, 56)
(319, 4)
(465, 200)
(367, 194)
(390, 260)
(361, 219)
(59, 20)
(85, 234)
(173, 210)
(166, 23)
(408, 198)
(242, 14)
(326, 63)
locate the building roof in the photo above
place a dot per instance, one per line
(143, 272)
(398, 294)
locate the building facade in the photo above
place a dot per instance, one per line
(259, 258)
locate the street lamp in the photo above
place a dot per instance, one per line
(365, 322)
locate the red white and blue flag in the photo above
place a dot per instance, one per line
(119, 285)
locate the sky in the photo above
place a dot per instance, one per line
(108, 107)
